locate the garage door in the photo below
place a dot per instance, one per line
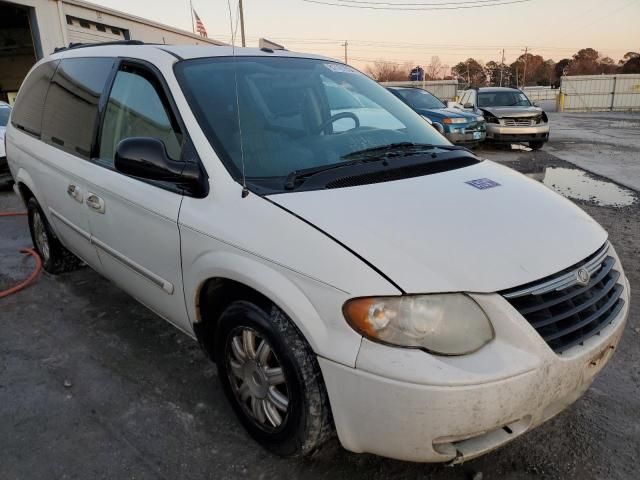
(85, 31)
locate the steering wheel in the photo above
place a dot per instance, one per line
(335, 118)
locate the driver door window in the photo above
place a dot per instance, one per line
(136, 108)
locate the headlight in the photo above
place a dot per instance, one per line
(480, 119)
(445, 324)
(454, 120)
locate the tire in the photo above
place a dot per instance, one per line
(255, 385)
(55, 257)
(536, 145)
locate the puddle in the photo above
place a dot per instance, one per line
(579, 185)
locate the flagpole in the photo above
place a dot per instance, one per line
(244, 43)
(193, 24)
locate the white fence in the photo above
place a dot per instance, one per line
(599, 93)
(537, 94)
(443, 89)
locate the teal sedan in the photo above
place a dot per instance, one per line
(460, 127)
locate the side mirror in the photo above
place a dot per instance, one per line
(468, 106)
(146, 157)
(535, 104)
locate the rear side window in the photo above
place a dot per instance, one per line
(138, 108)
(71, 108)
(27, 115)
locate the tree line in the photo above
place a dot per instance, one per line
(529, 69)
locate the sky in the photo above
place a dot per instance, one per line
(552, 28)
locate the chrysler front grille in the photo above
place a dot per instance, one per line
(564, 310)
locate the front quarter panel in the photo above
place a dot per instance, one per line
(303, 271)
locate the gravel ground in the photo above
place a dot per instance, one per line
(93, 385)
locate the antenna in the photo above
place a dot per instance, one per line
(245, 190)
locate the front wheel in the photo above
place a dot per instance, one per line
(272, 379)
(535, 145)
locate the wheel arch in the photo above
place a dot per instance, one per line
(237, 277)
(27, 188)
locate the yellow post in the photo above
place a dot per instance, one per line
(560, 102)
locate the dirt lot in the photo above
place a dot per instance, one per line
(93, 385)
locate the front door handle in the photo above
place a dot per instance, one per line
(94, 202)
(74, 192)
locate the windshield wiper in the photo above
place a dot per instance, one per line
(296, 176)
(399, 149)
(368, 155)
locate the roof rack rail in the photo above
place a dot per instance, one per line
(73, 46)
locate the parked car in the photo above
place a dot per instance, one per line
(5, 112)
(427, 304)
(511, 117)
(461, 128)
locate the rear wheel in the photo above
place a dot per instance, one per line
(272, 379)
(536, 145)
(55, 257)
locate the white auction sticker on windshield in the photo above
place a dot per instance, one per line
(339, 68)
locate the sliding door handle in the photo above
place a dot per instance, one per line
(74, 192)
(94, 202)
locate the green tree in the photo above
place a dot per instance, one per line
(471, 72)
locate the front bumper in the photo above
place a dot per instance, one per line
(500, 133)
(409, 405)
(469, 134)
(467, 138)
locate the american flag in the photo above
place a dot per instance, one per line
(200, 26)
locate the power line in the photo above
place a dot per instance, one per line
(415, 9)
(375, 43)
(423, 4)
(599, 19)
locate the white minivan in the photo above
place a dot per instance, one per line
(371, 280)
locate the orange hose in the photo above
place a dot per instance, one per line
(29, 251)
(12, 214)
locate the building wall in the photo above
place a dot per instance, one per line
(52, 29)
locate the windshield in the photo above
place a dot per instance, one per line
(503, 99)
(419, 98)
(293, 113)
(4, 115)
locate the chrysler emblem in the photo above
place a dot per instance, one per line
(583, 276)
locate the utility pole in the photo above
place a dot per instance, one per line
(244, 43)
(524, 74)
(502, 67)
(345, 45)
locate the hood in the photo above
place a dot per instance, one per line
(511, 112)
(438, 113)
(436, 233)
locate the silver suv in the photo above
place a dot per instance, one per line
(511, 117)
